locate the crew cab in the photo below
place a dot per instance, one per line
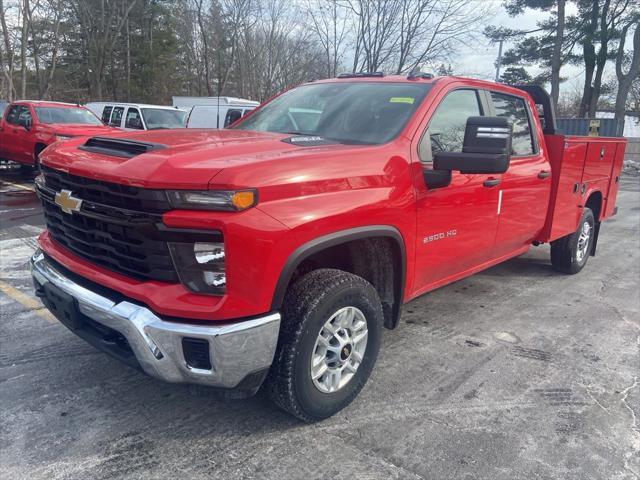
(266, 255)
(28, 127)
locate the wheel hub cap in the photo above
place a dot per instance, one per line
(339, 349)
(583, 241)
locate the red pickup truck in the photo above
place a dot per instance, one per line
(275, 252)
(28, 127)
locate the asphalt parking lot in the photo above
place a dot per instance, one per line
(515, 373)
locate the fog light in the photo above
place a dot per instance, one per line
(208, 252)
(200, 266)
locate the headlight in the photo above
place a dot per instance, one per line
(228, 200)
(200, 266)
(62, 138)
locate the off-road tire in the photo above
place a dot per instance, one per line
(564, 251)
(308, 304)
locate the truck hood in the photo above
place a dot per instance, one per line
(180, 159)
(79, 130)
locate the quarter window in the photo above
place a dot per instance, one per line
(446, 128)
(515, 109)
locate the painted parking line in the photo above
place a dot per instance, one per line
(27, 301)
(18, 185)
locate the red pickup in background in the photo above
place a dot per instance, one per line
(28, 127)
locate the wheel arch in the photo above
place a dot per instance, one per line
(595, 201)
(345, 238)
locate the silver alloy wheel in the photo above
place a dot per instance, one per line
(583, 241)
(339, 349)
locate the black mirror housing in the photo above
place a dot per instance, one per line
(486, 148)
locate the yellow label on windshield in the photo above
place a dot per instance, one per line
(408, 100)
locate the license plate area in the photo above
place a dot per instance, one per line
(63, 306)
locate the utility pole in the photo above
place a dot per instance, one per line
(499, 60)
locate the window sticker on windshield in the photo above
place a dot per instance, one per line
(408, 100)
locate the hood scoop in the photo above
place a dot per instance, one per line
(117, 147)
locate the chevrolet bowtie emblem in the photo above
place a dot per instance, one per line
(67, 202)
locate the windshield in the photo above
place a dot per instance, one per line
(157, 118)
(353, 113)
(76, 116)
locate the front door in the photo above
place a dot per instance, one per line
(456, 224)
(14, 134)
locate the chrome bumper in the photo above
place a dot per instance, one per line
(236, 350)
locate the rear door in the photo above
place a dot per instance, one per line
(525, 188)
(456, 225)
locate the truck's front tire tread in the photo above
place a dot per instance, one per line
(302, 317)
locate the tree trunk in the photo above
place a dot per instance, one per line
(625, 81)
(23, 49)
(556, 61)
(128, 61)
(601, 59)
(589, 56)
(8, 73)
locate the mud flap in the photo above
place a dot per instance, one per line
(595, 239)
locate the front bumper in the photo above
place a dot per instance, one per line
(239, 353)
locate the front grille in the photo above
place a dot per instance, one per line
(105, 193)
(109, 230)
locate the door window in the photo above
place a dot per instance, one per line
(134, 120)
(515, 109)
(233, 115)
(106, 114)
(116, 116)
(447, 125)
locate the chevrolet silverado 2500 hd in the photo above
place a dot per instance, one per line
(276, 251)
(28, 127)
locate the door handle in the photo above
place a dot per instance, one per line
(491, 182)
(544, 174)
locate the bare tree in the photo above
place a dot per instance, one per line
(9, 53)
(328, 23)
(101, 23)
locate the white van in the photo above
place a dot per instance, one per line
(214, 112)
(138, 116)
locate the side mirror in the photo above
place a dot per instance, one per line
(486, 149)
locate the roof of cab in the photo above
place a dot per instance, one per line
(47, 103)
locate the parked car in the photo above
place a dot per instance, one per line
(28, 127)
(214, 112)
(270, 254)
(208, 116)
(3, 105)
(137, 116)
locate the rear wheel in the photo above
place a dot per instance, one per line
(570, 254)
(329, 341)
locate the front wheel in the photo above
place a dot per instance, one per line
(569, 254)
(329, 341)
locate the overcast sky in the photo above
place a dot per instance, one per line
(479, 60)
